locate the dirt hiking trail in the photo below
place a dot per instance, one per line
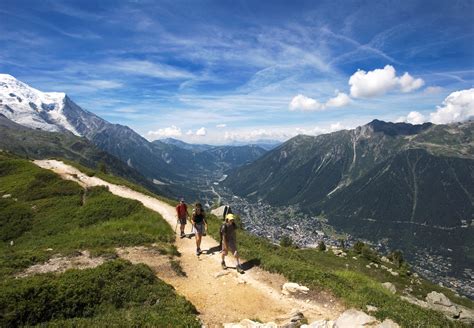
(220, 296)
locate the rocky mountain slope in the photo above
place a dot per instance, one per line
(163, 163)
(38, 144)
(406, 186)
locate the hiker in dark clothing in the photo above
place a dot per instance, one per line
(200, 225)
(229, 242)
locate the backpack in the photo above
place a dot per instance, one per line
(227, 210)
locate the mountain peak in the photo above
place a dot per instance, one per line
(33, 108)
(395, 129)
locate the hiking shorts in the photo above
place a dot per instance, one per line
(199, 228)
(182, 220)
(229, 247)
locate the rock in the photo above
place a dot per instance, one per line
(219, 212)
(438, 301)
(337, 252)
(415, 275)
(353, 318)
(320, 324)
(371, 308)
(241, 281)
(438, 298)
(388, 323)
(368, 266)
(7, 196)
(246, 323)
(396, 274)
(221, 274)
(354, 258)
(385, 259)
(297, 317)
(390, 287)
(292, 287)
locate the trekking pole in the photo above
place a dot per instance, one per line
(176, 227)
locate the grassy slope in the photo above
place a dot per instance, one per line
(354, 284)
(45, 212)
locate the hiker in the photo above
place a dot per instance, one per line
(229, 242)
(227, 210)
(200, 225)
(182, 214)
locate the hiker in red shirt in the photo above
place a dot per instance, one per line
(182, 214)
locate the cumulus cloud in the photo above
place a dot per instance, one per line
(408, 83)
(380, 81)
(413, 118)
(303, 103)
(458, 106)
(171, 131)
(340, 100)
(317, 130)
(221, 126)
(201, 132)
(189, 132)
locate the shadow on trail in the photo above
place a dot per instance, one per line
(250, 264)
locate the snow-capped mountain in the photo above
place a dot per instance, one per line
(48, 111)
(33, 108)
(56, 112)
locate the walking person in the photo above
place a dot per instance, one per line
(227, 210)
(200, 225)
(229, 242)
(182, 215)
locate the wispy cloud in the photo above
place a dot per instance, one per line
(148, 68)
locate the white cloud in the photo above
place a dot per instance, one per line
(317, 130)
(171, 131)
(458, 106)
(201, 132)
(413, 118)
(380, 81)
(433, 90)
(147, 68)
(408, 83)
(303, 103)
(340, 100)
(189, 133)
(103, 84)
(221, 126)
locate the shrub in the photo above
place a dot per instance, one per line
(396, 257)
(370, 254)
(15, 219)
(286, 241)
(77, 294)
(358, 246)
(321, 246)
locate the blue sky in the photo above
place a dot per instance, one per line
(217, 71)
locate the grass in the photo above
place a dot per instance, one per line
(115, 294)
(43, 215)
(109, 177)
(346, 278)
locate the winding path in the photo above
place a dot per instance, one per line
(220, 296)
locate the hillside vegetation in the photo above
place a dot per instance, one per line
(347, 279)
(407, 186)
(43, 215)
